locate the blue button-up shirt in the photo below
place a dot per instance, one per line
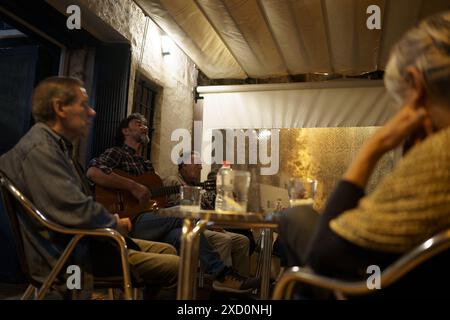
(41, 167)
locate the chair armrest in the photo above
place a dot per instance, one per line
(103, 232)
(410, 260)
(283, 289)
(40, 218)
(80, 233)
(9, 192)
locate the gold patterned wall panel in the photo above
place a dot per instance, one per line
(317, 153)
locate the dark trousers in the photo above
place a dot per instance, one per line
(295, 229)
(150, 226)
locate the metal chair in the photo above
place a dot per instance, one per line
(15, 202)
(341, 288)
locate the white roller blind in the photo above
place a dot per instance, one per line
(294, 105)
(347, 104)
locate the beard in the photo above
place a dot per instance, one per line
(144, 139)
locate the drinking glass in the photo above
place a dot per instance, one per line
(301, 191)
(233, 193)
(190, 198)
(241, 184)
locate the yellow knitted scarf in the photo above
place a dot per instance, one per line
(408, 206)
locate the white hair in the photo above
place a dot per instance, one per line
(425, 47)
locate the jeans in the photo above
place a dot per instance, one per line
(149, 226)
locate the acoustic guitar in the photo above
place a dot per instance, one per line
(126, 205)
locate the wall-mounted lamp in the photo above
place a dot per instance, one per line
(166, 44)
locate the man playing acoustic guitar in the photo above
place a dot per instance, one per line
(131, 137)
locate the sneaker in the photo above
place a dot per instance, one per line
(231, 281)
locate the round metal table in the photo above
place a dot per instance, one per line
(195, 222)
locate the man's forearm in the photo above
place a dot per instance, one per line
(111, 180)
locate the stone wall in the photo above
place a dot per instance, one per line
(174, 74)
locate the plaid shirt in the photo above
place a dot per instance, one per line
(123, 158)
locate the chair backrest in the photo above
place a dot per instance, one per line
(15, 197)
(12, 209)
(16, 204)
(10, 271)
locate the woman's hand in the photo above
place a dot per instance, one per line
(391, 135)
(395, 131)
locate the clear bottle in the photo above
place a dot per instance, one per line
(224, 188)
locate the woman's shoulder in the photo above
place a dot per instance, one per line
(435, 146)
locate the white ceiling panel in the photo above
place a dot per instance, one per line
(271, 38)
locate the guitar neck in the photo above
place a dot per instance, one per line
(167, 191)
(164, 191)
